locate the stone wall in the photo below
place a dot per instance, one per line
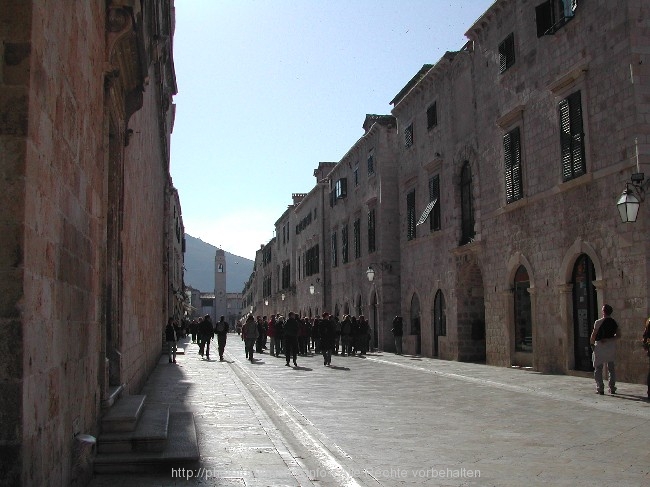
(14, 84)
(76, 173)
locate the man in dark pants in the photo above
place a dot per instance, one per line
(291, 339)
(326, 331)
(222, 334)
(206, 333)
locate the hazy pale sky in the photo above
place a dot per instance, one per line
(269, 88)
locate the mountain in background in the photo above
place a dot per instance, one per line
(199, 267)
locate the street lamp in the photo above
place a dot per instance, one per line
(283, 296)
(312, 289)
(633, 194)
(370, 272)
(628, 204)
(384, 266)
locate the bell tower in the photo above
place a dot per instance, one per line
(220, 301)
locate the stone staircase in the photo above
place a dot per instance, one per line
(138, 437)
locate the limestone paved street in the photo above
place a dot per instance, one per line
(395, 420)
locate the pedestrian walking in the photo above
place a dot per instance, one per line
(194, 329)
(337, 334)
(270, 332)
(326, 333)
(303, 336)
(364, 333)
(398, 332)
(261, 334)
(279, 336)
(171, 338)
(603, 339)
(206, 334)
(249, 334)
(291, 339)
(221, 330)
(646, 346)
(346, 332)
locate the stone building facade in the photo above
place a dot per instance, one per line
(511, 154)
(363, 230)
(85, 119)
(532, 142)
(177, 302)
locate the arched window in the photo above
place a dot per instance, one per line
(466, 205)
(523, 315)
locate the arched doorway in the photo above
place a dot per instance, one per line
(471, 315)
(522, 321)
(415, 331)
(585, 310)
(439, 321)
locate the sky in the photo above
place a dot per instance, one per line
(267, 89)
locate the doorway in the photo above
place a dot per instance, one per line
(585, 311)
(439, 321)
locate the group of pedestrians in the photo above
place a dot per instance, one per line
(203, 332)
(295, 335)
(327, 335)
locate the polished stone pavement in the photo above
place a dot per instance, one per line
(392, 420)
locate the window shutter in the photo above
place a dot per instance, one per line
(572, 137)
(577, 135)
(507, 53)
(410, 215)
(371, 231)
(434, 195)
(512, 165)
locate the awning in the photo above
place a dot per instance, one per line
(425, 213)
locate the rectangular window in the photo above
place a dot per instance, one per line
(312, 261)
(432, 116)
(286, 275)
(356, 175)
(408, 136)
(507, 53)
(341, 188)
(512, 165)
(434, 195)
(335, 253)
(371, 161)
(344, 245)
(371, 231)
(410, 215)
(551, 15)
(357, 238)
(572, 137)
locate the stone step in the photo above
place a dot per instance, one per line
(182, 449)
(150, 434)
(123, 415)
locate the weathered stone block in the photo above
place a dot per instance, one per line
(13, 111)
